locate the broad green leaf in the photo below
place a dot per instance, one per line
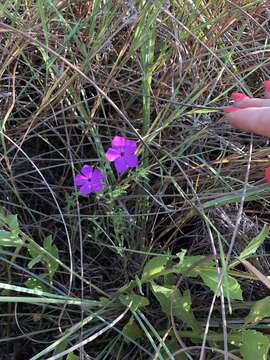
(7, 238)
(255, 345)
(168, 298)
(259, 311)
(169, 279)
(72, 356)
(190, 261)
(186, 313)
(35, 284)
(231, 285)
(154, 267)
(137, 300)
(253, 245)
(132, 330)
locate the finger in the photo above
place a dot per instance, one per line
(251, 119)
(266, 85)
(252, 102)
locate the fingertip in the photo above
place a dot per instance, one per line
(238, 96)
(230, 109)
(267, 174)
(266, 85)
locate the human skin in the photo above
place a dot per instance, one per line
(251, 114)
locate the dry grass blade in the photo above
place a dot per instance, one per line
(253, 270)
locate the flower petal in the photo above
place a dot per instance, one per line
(118, 141)
(121, 165)
(96, 186)
(130, 146)
(131, 160)
(86, 188)
(97, 176)
(87, 171)
(112, 154)
(79, 180)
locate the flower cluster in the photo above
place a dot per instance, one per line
(122, 154)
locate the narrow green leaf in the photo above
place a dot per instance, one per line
(52, 249)
(139, 284)
(41, 294)
(255, 345)
(33, 250)
(128, 287)
(40, 300)
(259, 311)
(12, 222)
(255, 243)
(251, 194)
(3, 219)
(7, 238)
(34, 261)
(252, 246)
(104, 300)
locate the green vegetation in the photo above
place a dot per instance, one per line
(171, 259)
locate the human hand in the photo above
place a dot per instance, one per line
(251, 114)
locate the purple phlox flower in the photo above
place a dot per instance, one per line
(122, 153)
(90, 180)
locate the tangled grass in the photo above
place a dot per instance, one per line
(73, 75)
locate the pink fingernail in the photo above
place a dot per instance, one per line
(230, 109)
(238, 96)
(266, 85)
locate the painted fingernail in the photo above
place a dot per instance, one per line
(238, 96)
(266, 85)
(230, 109)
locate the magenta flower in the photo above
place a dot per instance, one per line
(90, 180)
(122, 153)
